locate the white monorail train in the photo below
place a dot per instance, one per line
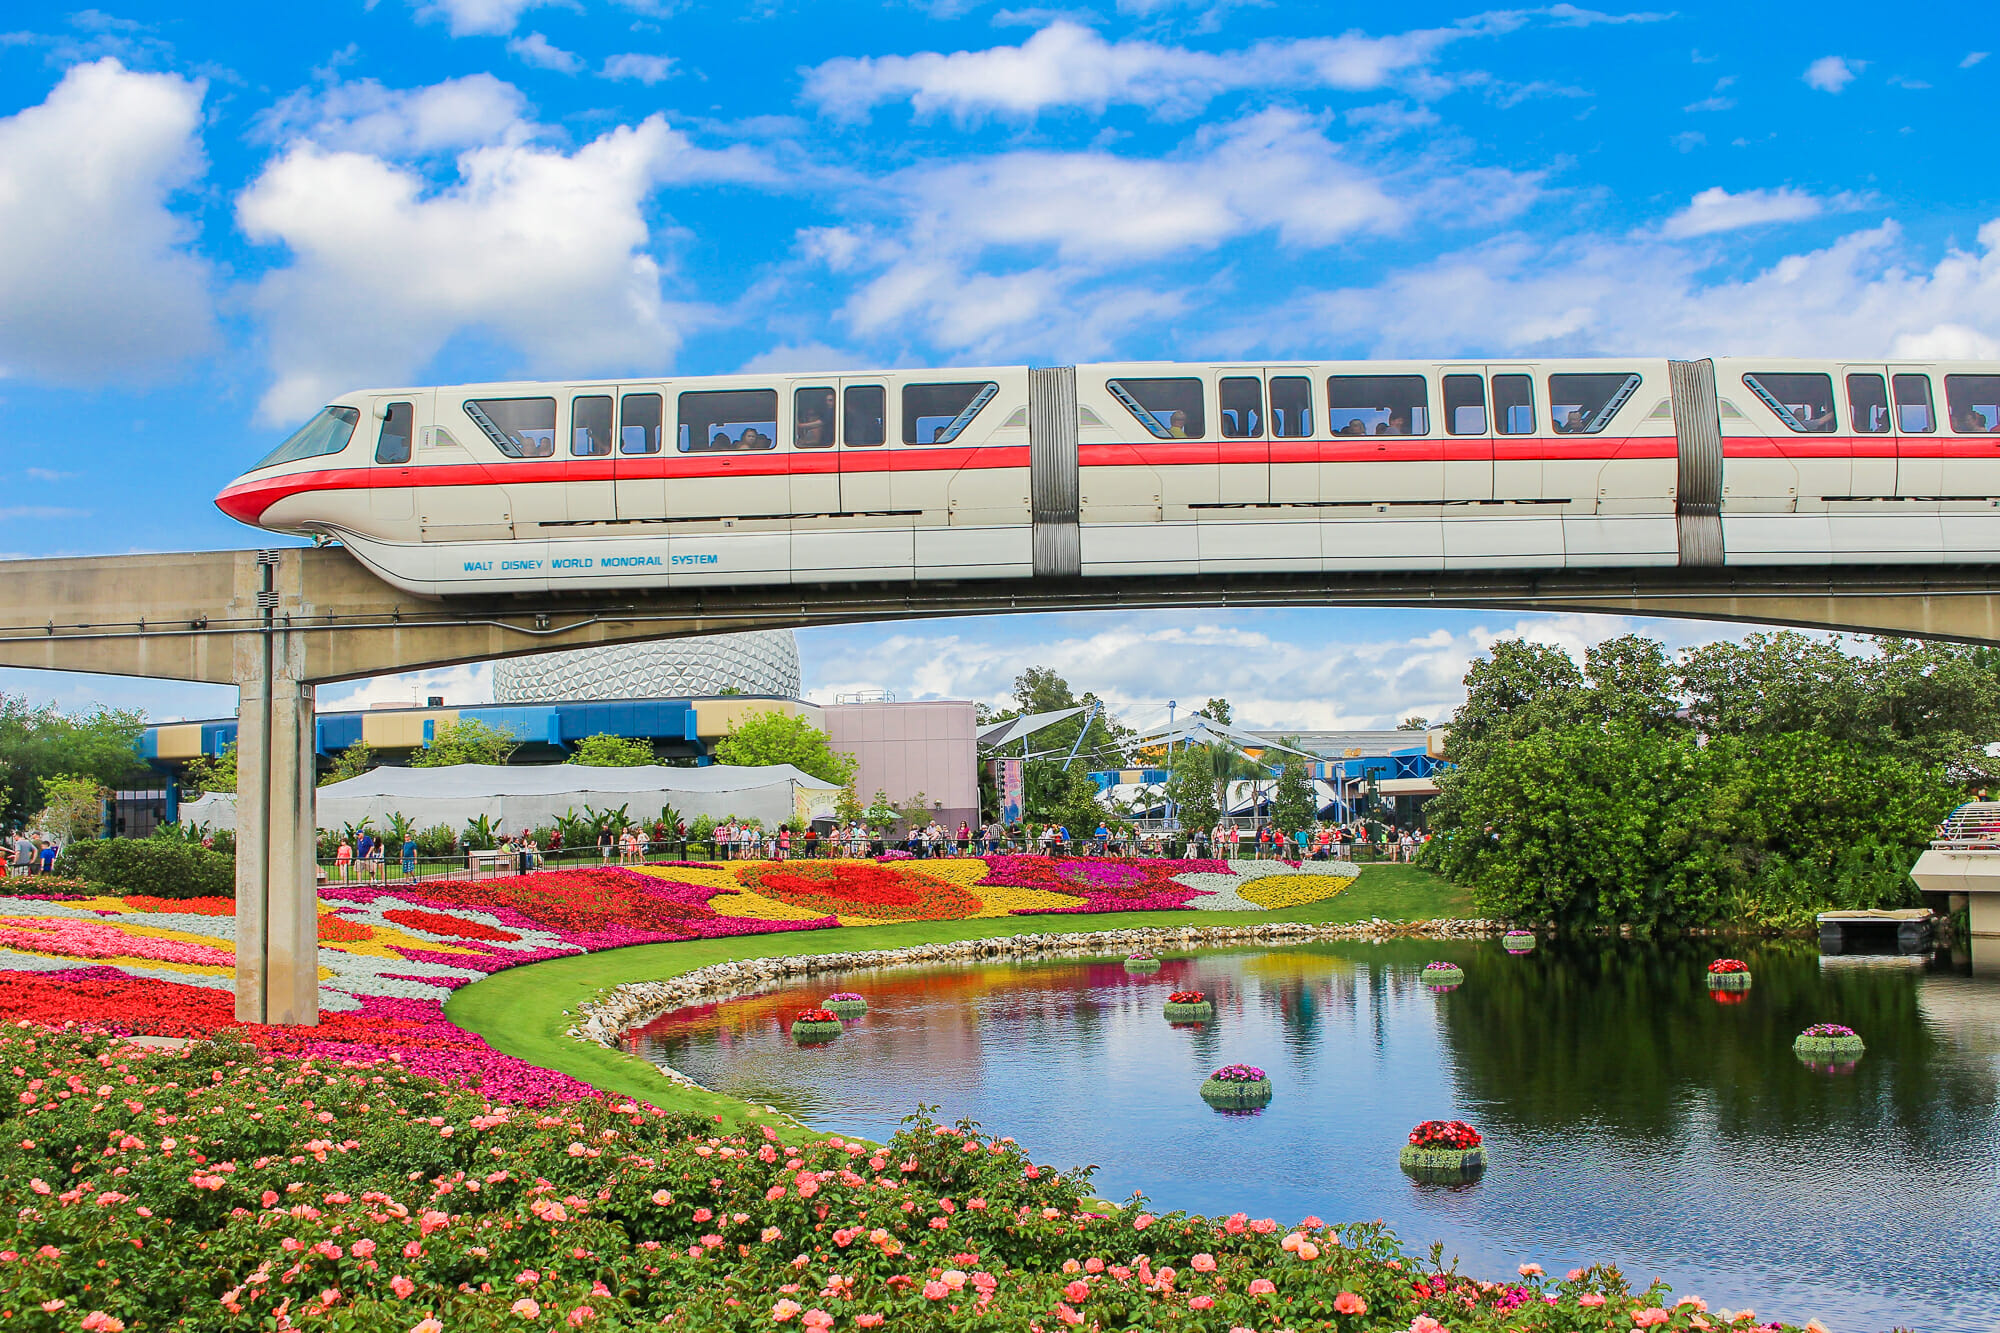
(1146, 469)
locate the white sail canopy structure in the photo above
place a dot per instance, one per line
(1014, 728)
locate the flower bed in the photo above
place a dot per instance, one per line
(1518, 941)
(813, 1026)
(391, 954)
(1443, 976)
(1141, 962)
(1237, 1086)
(1729, 974)
(235, 1190)
(1444, 1149)
(1829, 1044)
(845, 1004)
(1189, 1006)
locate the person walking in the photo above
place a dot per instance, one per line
(409, 856)
(343, 857)
(604, 847)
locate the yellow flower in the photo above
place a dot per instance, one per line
(1277, 892)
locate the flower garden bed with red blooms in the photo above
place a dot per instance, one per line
(390, 955)
(1449, 1150)
(1729, 974)
(1189, 1006)
(229, 1188)
(815, 1025)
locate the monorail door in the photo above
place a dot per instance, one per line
(639, 467)
(392, 492)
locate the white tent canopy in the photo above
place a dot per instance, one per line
(530, 795)
(1200, 729)
(1000, 733)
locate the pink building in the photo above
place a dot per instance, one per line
(907, 748)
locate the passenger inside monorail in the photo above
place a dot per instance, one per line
(1975, 403)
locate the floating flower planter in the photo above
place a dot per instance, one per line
(1237, 1087)
(1443, 976)
(1726, 974)
(815, 1027)
(1829, 1046)
(1727, 997)
(1189, 1006)
(1518, 941)
(845, 1004)
(1447, 1150)
(1141, 962)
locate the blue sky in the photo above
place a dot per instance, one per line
(216, 215)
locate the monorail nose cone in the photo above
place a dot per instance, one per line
(241, 503)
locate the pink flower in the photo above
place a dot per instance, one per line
(1078, 1291)
(817, 1320)
(579, 1316)
(1348, 1303)
(662, 1198)
(785, 1309)
(402, 1286)
(1262, 1286)
(1263, 1226)
(1423, 1323)
(1202, 1263)
(1142, 1221)
(1235, 1223)
(527, 1308)
(952, 1278)
(1200, 1302)
(99, 1322)
(1531, 1270)
(1590, 1298)
(868, 1320)
(413, 1250)
(1308, 1251)
(936, 1291)
(1648, 1318)
(363, 1248)
(427, 1326)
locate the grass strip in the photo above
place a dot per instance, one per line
(526, 1011)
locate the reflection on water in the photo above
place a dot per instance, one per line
(1630, 1115)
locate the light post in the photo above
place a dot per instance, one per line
(1171, 705)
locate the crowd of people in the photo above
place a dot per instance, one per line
(34, 853)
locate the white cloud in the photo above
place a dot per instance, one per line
(539, 51)
(1972, 58)
(489, 18)
(98, 277)
(1863, 295)
(364, 117)
(804, 358)
(1716, 209)
(544, 251)
(1830, 74)
(1276, 669)
(461, 686)
(648, 70)
(1068, 65)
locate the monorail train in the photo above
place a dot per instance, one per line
(1145, 468)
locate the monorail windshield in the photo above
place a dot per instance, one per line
(327, 433)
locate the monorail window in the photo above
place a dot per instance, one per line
(590, 426)
(398, 425)
(938, 413)
(518, 427)
(639, 423)
(1241, 404)
(724, 420)
(864, 415)
(1378, 405)
(1291, 407)
(1514, 404)
(1585, 404)
(1464, 405)
(327, 433)
(1868, 404)
(1169, 409)
(812, 418)
(1913, 404)
(1803, 402)
(1975, 403)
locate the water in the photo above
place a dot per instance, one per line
(1628, 1115)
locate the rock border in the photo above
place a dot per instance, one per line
(605, 1017)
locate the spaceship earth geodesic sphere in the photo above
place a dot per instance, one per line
(754, 662)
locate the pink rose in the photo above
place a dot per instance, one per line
(1348, 1303)
(1590, 1298)
(1202, 1263)
(785, 1309)
(1200, 1302)
(1262, 1286)
(1077, 1291)
(935, 1290)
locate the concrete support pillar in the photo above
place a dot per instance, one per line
(277, 891)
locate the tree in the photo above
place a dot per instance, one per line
(1414, 722)
(466, 741)
(1294, 805)
(1217, 710)
(847, 806)
(1229, 766)
(881, 814)
(607, 751)
(352, 762)
(1080, 810)
(1191, 788)
(775, 737)
(1631, 681)
(41, 743)
(914, 812)
(1104, 744)
(73, 809)
(205, 774)
(1517, 688)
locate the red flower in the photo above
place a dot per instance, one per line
(1453, 1134)
(1187, 997)
(861, 888)
(1724, 965)
(816, 1016)
(439, 923)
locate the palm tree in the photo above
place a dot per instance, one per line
(1230, 766)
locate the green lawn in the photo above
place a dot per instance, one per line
(524, 1011)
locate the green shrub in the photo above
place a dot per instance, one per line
(160, 867)
(436, 843)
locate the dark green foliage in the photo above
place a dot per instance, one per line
(436, 842)
(1800, 779)
(42, 743)
(1043, 690)
(161, 867)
